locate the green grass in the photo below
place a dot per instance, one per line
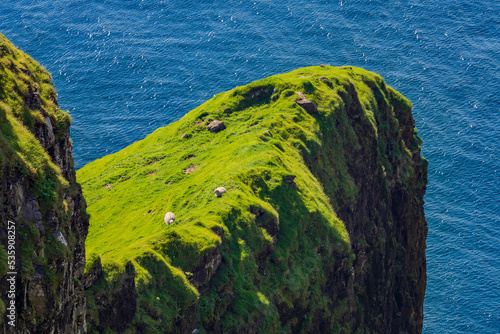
(19, 149)
(267, 136)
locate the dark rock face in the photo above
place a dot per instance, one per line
(33, 101)
(386, 287)
(46, 305)
(92, 275)
(116, 307)
(207, 268)
(30, 210)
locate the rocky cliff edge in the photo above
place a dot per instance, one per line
(43, 223)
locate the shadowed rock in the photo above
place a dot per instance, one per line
(25, 71)
(30, 210)
(216, 126)
(306, 104)
(34, 101)
(50, 130)
(290, 180)
(92, 274)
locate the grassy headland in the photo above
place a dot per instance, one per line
(269, 242)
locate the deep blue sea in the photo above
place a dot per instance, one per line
(125, 68)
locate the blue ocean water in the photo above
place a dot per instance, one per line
(125, 68)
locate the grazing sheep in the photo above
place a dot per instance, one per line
(219, 191)
(169, 218)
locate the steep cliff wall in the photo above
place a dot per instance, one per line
(43, 223)
(385, 217)
(321, 228)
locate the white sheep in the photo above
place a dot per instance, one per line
(169, 218)
(219, 191)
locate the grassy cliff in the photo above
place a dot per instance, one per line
(25, 90)
(38, 192)
(280, 250)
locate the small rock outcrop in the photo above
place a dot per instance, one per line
(290, 180)
(306, 104)
(216, 126)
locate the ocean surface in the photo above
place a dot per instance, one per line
(125, 68)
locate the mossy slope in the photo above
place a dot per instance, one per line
(259, 258)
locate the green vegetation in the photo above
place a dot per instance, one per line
(27, 100)
(268, 137)
(23, 80)
(261, 256)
